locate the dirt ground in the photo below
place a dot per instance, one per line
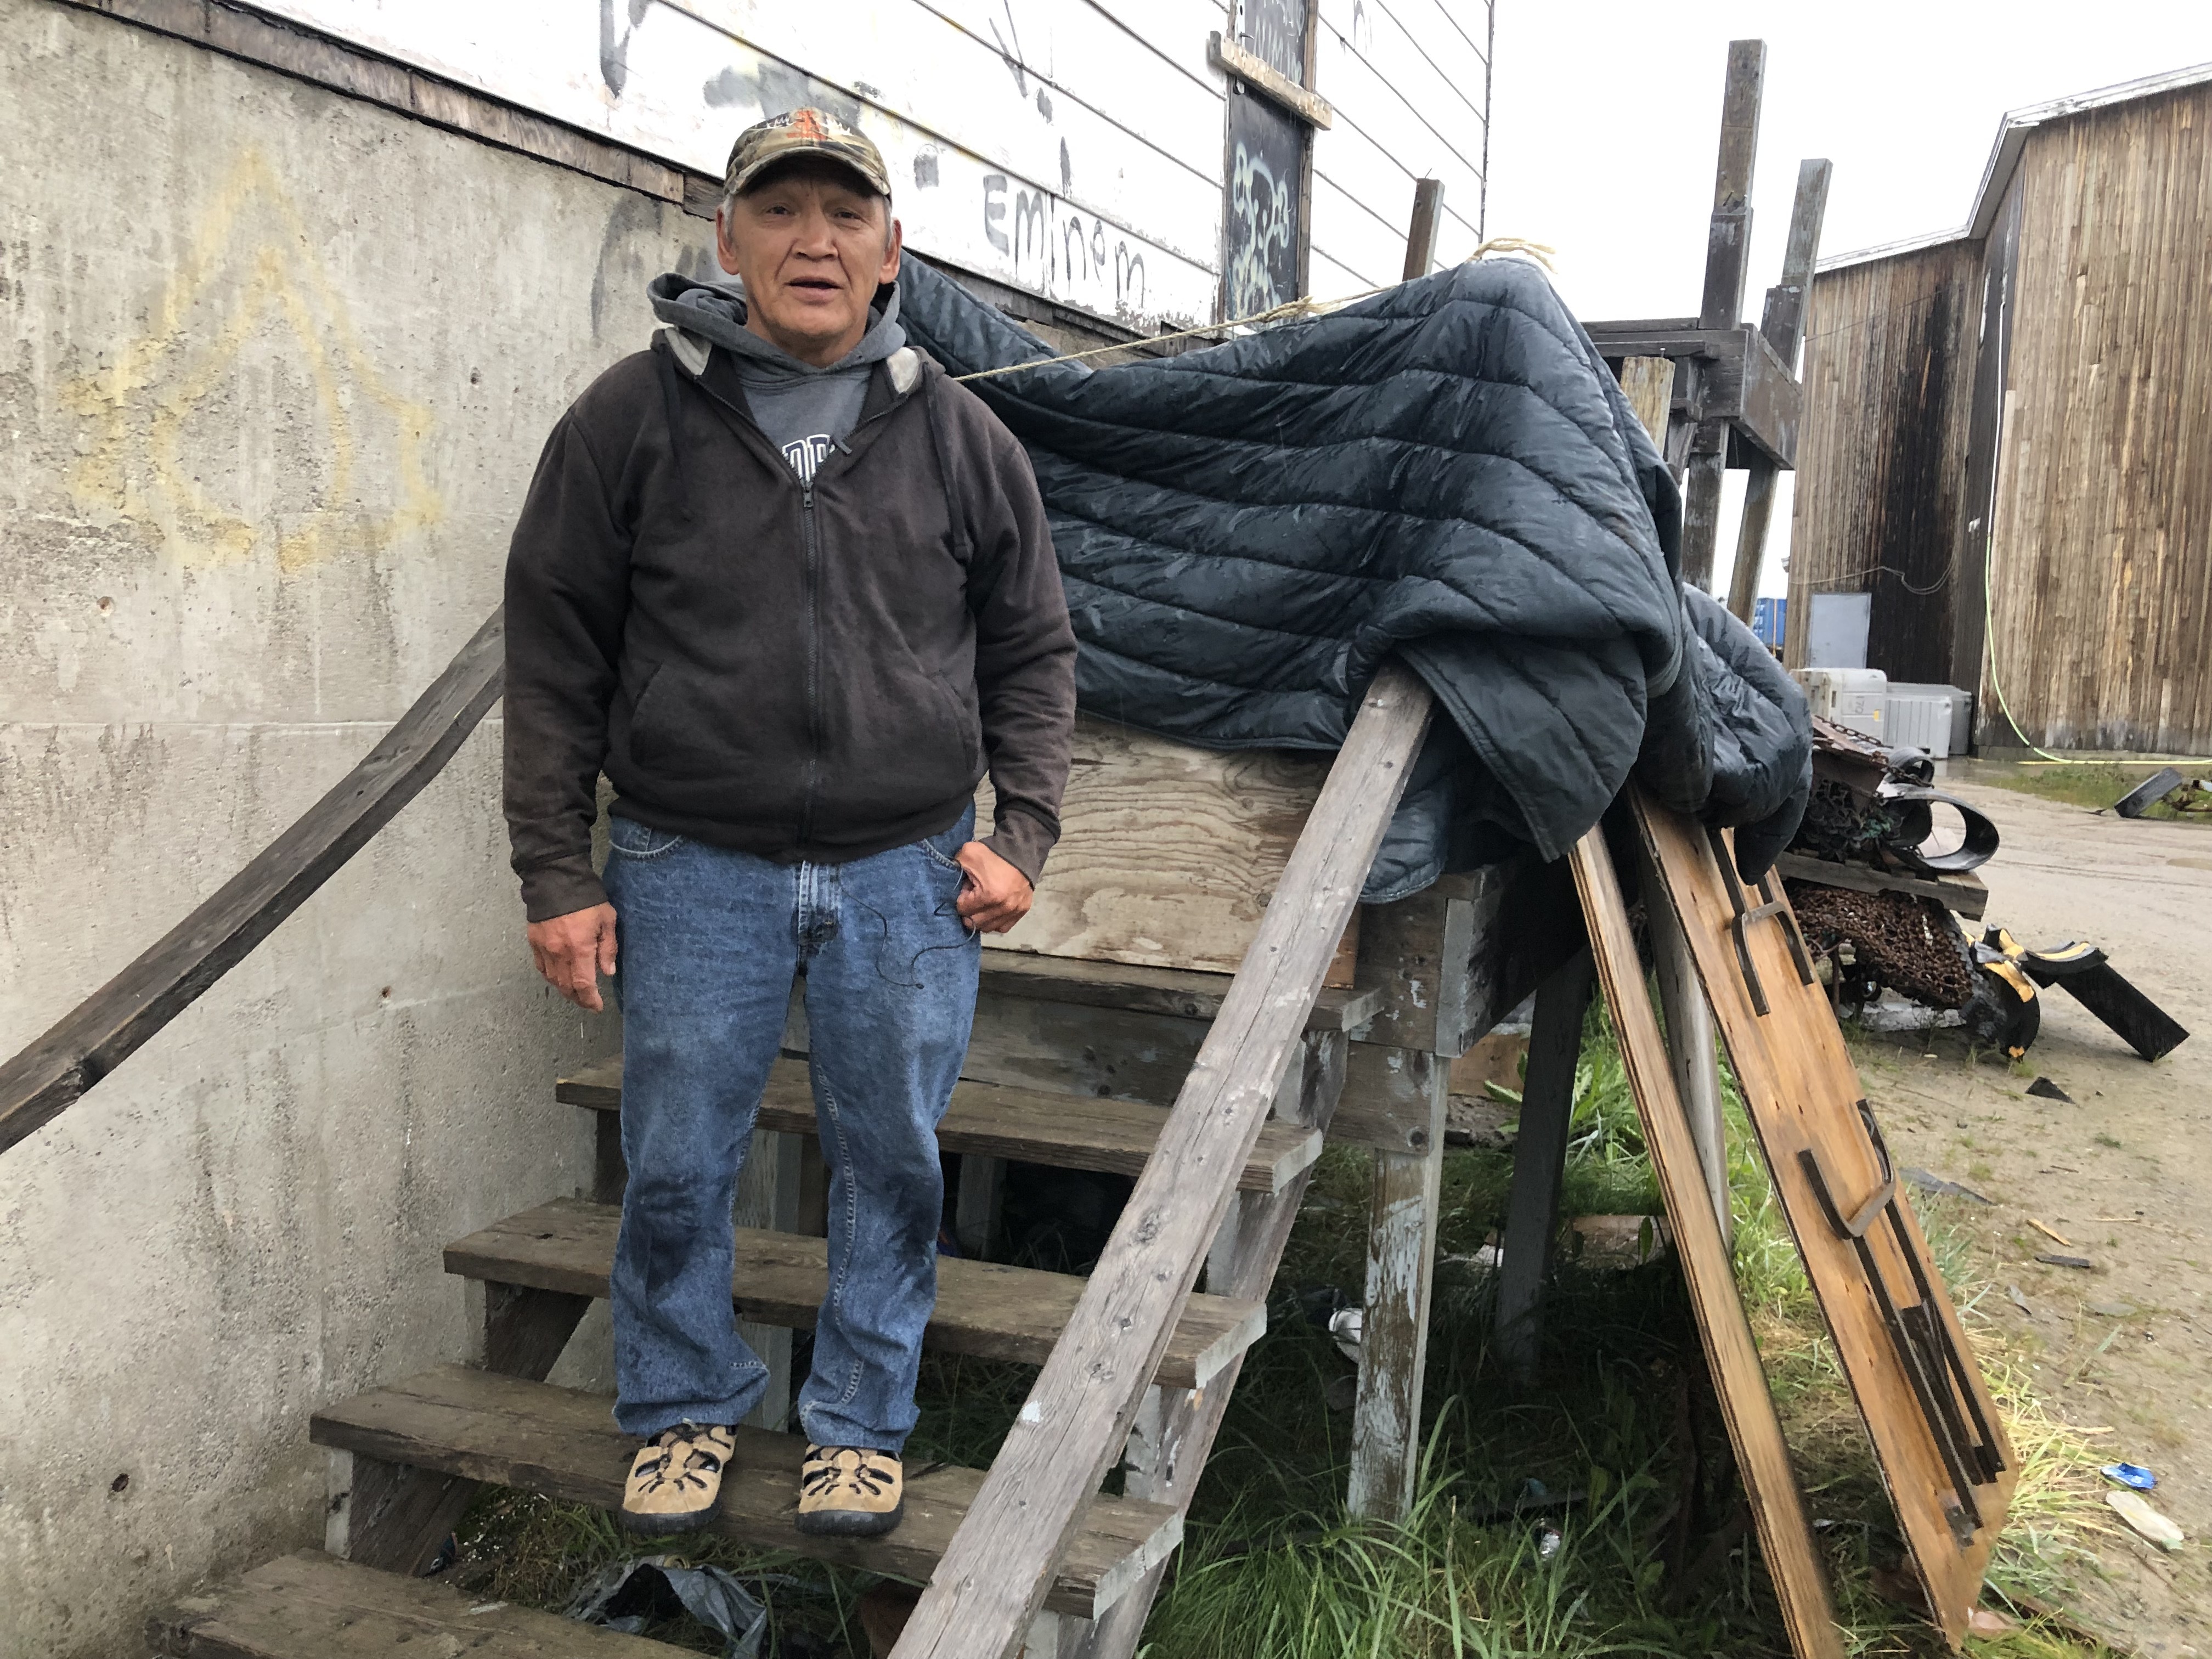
(2124, 1174)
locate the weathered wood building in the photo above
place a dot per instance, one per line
(2007, 430)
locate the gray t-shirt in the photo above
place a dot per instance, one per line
(803, 410)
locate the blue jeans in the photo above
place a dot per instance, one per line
(710, 942)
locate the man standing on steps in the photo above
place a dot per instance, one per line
(792, 590)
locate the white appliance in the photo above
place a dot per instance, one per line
(1853, 698)
(1936, 718)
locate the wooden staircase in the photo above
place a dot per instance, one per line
(407, 1457)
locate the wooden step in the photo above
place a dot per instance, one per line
(310, 1606)
(564, 1443)
(1033, 1126)
(1188, 994)
(984, 1308)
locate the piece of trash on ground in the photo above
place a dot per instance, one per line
(631, 1596)
(2111, 1310)
(2129, 1474)
(2050, 1232)
(1988, 1621)
(2053, 1259)
(2148, 793)
(2044, 1089)
(2147, 1521)
(1548, 1543)
(1346, 1327)
(2012, 1293)
(1934, 1183)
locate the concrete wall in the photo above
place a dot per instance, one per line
(277, 368)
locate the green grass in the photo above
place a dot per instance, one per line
(2087, 783)
(1273, 1568)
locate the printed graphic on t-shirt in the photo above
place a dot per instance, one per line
(807, 454)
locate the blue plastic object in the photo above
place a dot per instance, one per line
(2129, 1474)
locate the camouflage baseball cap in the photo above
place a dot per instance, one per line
(803, 132)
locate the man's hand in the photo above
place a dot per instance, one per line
(575, 949)
(995, 895)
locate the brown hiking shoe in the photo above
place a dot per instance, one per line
(847, 1491)
(675, 1481)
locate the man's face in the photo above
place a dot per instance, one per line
(812, 244)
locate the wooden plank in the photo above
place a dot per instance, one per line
(1421, 229)
(1728, 242)
(1793, 1560)
(1268, 82)
(1169, 1448)
(1782, 319)
(1394, 1344)
(564, 1443)
(1964, 893)
(1416, 956)
(1540, 1157)
(981, 1597)
(1168, 853)
(1803, 1097)
(1650, 384)
(103, 1031)
(1379, 133)
(1034, 1125)
(1691, 1051)
(1751, 538)
(308, 1606)
(1701, 505)
(984, 1308)
(1189, 993)
(1387, 1092)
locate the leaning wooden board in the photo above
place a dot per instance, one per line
(1168, 853)
(1936, 1432)
(1777, 1508)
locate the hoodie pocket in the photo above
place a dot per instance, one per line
(966, 719)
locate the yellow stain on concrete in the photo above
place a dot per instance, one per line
(252, 237)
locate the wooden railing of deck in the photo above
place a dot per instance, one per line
(90, 1041)
(991, 1582)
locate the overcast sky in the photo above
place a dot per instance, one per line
(1606, 114)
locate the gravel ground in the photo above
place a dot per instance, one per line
(2124, 1174)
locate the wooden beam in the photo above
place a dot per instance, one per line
(1964, 893)
(1077, 1418)
(102, 1031)
(1394, 1344)
(1781, 326)
(1701, 504)
(1539, 1154)
(1692, 1050)
(1177, 1426)
(1728, 242)
(1785, 1536)
(1421, 235)
(1783, 321)
(1270, 82)
(1762, 479)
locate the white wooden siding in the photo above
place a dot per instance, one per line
(1071, 148)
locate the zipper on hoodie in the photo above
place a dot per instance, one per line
(811, 542)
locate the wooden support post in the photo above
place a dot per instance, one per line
(394, 1516)
(1539, 1154)
(1393, 1346)
(1727, 250)
(1421, 233)
(1173, 1432)
(1693, 1052)
(1783, 323)
(1728, 241)
(1701, 502)
(995, 1575)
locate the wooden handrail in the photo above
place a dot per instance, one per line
(101, 1032)
(989, 1583)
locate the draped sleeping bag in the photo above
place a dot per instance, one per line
(1445, 471)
